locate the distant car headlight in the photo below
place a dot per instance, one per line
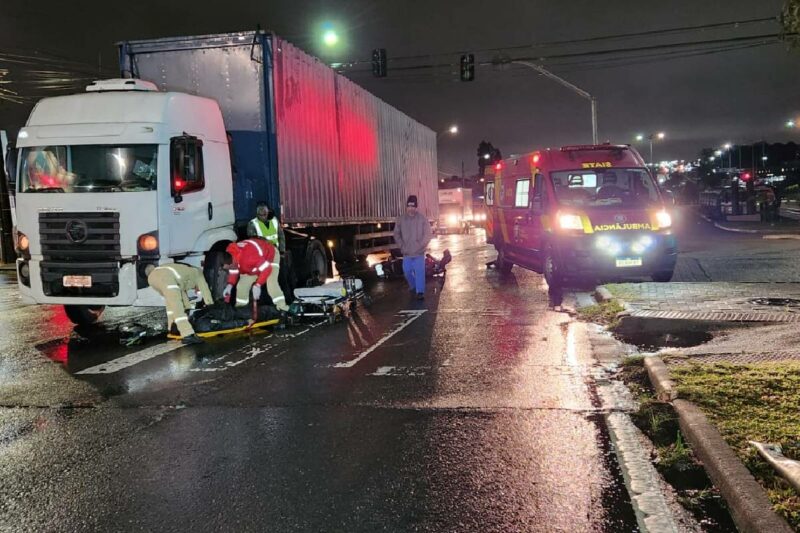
(663, 219)
(570, 221)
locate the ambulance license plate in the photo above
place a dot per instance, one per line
(629, 262)
(84, 282)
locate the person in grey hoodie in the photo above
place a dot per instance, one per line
(412, 233)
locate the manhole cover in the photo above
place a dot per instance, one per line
(777, 302)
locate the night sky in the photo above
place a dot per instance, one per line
(742, 94)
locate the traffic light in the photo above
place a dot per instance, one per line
(379, 62)
(467, 67)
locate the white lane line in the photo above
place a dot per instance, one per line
(382, 371)
(411, 316)
(131, 359)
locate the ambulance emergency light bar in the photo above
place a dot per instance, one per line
(607, 146)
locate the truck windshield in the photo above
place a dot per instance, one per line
(89, 168)
(629, 187)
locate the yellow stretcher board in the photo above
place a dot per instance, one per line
(209, 334)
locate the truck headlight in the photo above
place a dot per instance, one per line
(663, 219)
(570, 221)
(452, 220)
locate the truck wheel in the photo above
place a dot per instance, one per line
(82, 315)
(502, 263)
(662, 277)
(316, 263)
(552, 269)
(214, 273)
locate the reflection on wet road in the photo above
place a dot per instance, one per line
(470, 411)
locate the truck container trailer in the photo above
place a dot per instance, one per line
(169, 162)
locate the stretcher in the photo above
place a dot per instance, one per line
(329, 301)
(217, 333)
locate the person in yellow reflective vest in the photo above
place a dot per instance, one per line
(173, 281)
(266, 226)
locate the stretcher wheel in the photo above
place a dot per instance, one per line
(366, 300)
(290, 321)
(331, 319)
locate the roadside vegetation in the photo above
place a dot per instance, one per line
(758, 402)
(605, 313)
(673, 457)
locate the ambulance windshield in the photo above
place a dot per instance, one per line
(629, 187)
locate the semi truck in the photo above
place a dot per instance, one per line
(168, 162)
(455, 210)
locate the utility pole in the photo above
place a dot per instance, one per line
(580, 92)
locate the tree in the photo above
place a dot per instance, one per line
(487, 155)
(790, 22)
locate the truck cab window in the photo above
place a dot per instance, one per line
(186, 165)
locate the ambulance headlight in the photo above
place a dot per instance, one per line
(608, 244)
(570, 221)
(642, 244)
(663, 219)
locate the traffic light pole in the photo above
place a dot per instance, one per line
(580, 92)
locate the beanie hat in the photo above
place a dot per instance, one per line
(412, 200)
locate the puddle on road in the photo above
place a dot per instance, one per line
(652, 342)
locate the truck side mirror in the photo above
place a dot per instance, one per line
(186, 166)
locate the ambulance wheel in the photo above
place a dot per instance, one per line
(82, 315)
(552, 270)
(662, 277)
(502, 263)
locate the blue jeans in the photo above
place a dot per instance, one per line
(414, 269)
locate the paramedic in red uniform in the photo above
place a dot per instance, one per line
(254, 263)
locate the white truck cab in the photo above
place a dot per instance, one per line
(112, 180)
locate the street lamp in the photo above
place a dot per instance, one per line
(453, 129)
(790, 124)
(330, 38)
(651, 137)
(577, 90)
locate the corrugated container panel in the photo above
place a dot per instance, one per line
(366, 156)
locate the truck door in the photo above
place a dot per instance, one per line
(191, 209)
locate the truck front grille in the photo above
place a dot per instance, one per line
(80, 244)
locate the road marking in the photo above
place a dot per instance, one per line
(382, 371)
(411, 316)
(131, 359)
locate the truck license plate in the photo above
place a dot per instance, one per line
(78, 281)
(629, 262)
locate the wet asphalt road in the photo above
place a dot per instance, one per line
(471, 411)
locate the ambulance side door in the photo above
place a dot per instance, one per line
(528, 225)
(535, 229)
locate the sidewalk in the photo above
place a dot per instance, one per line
(774, 308)
(785, 228)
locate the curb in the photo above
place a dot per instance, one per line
(603, 295)
(666, 391)
(750, 508)
(726, 228)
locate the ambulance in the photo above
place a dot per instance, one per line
(580, 213)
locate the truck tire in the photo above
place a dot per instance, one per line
(502, 263)
(288, 276)
(215, 274)
(82, 315)
(315, 269)
(552, 269)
